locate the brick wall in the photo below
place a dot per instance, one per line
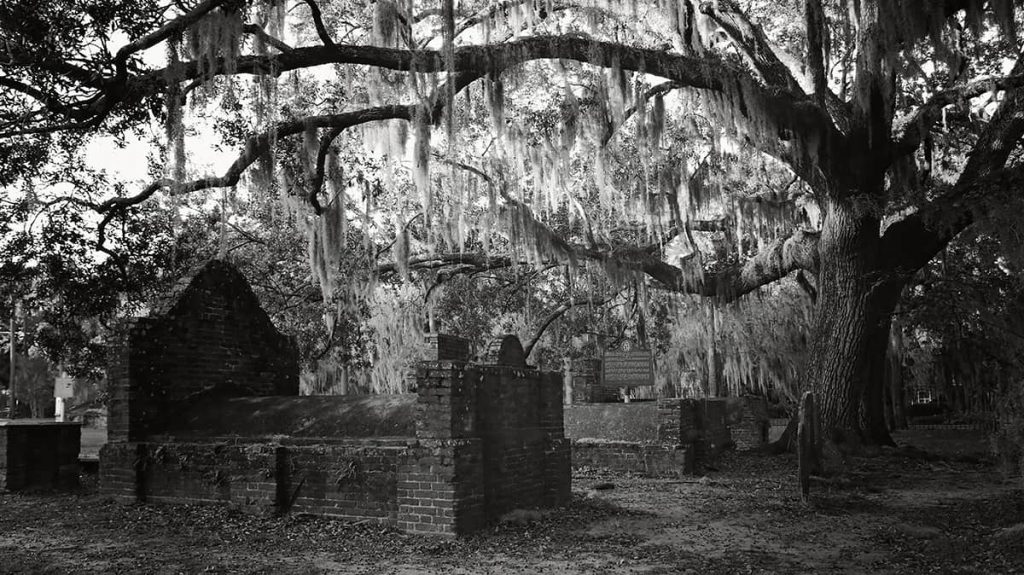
(440, 487)
(663, 438)
(491, 440)
(438, 347)
(526, 455)
(748, 422)
(645, 437)
(441, 346)
(38, 454)
(636, 421)
(651, 459)
(208, 337)
(706, 421)
(354, 479)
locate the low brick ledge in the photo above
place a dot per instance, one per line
(284, 441)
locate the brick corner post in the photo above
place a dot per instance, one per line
(558, 452)
(440, 480)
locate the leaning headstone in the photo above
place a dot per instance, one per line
(807, 442)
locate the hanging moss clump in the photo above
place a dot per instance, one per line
(175, 125)
(214, 41)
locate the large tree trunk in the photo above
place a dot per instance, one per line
(843, 319)
(874, 428)
(884, 297)
(847, 367)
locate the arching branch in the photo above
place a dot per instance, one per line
(910, 243)
(798, 251)
(705, 72)
(558, 312)
(909, 131)
(318, 23)
(266, 38)
(817, 44)
(752, 43)
(254, 148)
(176, 26)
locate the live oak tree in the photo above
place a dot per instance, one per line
(581, 134)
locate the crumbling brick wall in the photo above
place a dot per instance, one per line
(674, 436)
(37, 454)
(642, 437)
(706, 421)
(748, 422)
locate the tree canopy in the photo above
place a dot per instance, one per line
(705, 148)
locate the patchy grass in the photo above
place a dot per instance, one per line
(902, 511)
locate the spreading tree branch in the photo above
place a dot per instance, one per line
(909, 132)
(705, 72)
(909, 244)
(266, 38)
(798, 251)
(558, 312)
(318, 23)
(817, 43)
(176, 26)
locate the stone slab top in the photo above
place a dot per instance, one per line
(36, 422)
(291, 416)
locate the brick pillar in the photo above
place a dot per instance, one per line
(557, 452)
(130, 397)
(440, 481)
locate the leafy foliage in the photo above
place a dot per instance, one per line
(668, 144)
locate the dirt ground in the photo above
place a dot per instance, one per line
(940, 511)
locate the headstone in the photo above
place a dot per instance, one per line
(807, 442)
(504, 350)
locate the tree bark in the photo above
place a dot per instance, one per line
(872, 417)
(843, 319)
(894, 378)
(875, 429)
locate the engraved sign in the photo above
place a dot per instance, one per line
(628, 368)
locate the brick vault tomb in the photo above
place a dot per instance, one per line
(205, 408)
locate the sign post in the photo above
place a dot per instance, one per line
(10, 382)
(63, 388)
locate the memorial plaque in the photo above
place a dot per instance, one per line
(628, 368)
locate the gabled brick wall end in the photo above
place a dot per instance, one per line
(210, 336)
